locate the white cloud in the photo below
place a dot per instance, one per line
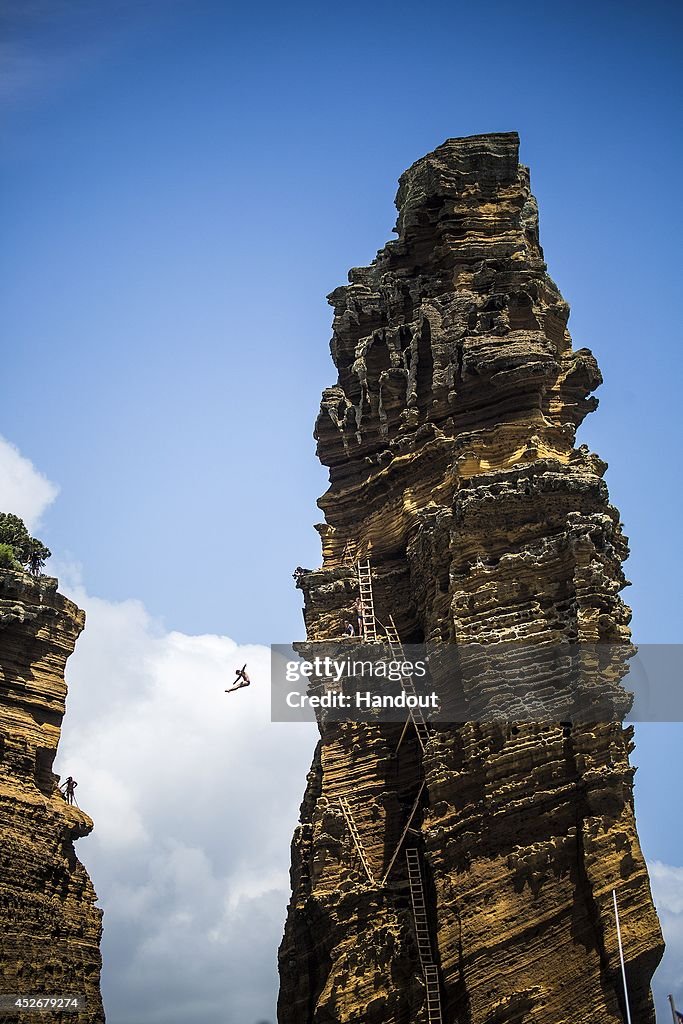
(24, 491)
(667, 883)
(667, 889)
(195, 794)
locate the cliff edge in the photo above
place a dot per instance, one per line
(50, 928)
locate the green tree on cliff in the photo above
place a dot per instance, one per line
(7, 557)
(17, 544)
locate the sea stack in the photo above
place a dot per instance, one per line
(50, 928)
(456, 483)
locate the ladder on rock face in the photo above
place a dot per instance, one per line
(398, 654)
(424, 942)
(367, 603)
(349, 553)
(404, 833)
(355, 835)
(431, 973)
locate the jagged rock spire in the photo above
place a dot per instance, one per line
(450, 438)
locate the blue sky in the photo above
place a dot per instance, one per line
(184, 182)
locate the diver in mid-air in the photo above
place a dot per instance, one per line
(241, 679)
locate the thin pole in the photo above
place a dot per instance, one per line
(673, 1009)
(621, 956)
(405, 728)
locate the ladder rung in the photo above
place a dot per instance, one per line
(424, 941)
(355, 835)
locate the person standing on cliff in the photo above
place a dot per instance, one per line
(358, 606)
(68, 788)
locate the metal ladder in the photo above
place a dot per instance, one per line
(398, 654)
(367, 602)
(424, 942)
(355, 835)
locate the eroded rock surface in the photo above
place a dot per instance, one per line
(450, 439)
(50, 927)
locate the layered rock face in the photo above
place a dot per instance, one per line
(450, 439)
(50, 927)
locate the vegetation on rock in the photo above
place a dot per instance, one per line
(18, 549)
